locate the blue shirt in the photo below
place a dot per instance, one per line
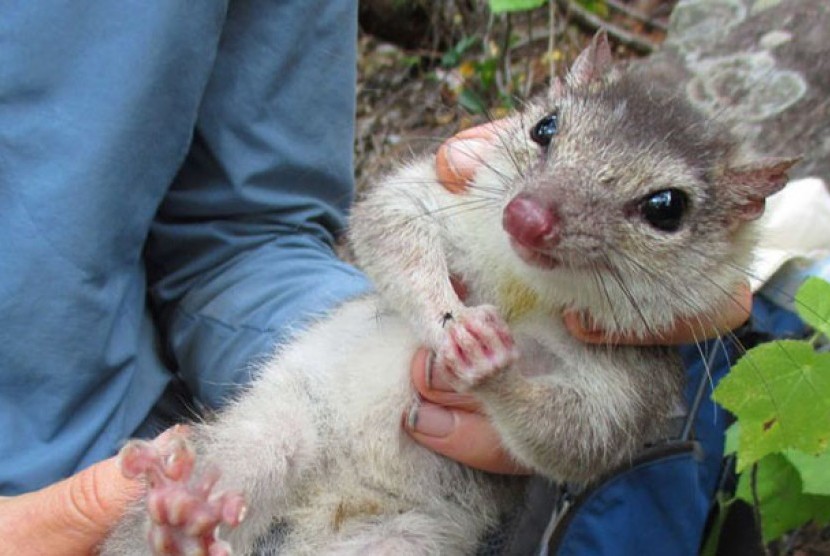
(172, 177)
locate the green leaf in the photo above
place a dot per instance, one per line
(486, 71)
(411, 61)
(598, 7)
(452, 57)
(472, 102)
(814, 470)
(499, 6)
(507, 101)
(780, 393)
(730, 445)
(781, 503)
(812, 301)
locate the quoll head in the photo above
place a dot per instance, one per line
(629, 181)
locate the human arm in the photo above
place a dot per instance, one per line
(241, 250)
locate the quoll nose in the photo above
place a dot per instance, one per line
(531, 222)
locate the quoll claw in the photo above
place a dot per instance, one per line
(185, 510)
(477, 345)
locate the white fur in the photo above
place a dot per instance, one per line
(316, 443)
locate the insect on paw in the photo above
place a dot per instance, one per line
(477, 344)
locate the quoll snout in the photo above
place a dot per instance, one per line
(532, 223)
(535, 228)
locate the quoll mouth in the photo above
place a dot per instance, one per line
(535, 257)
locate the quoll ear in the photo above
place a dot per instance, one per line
(592, 63)
(750, 184)
(556, 90)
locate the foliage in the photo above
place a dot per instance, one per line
(598, 7)
(455, 55)
(479, 72)
(782, 503)
(483, 69)
(499, 68)
(500, 6)
(780, 395)
(779, 392)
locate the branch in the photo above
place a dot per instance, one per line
(636, 15)
(620, 35)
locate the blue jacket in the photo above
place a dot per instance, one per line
(172, 175)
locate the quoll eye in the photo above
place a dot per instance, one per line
(544, 130)
(665, 209)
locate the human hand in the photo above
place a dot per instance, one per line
(452, 424)
(733, 314)
(70, 517)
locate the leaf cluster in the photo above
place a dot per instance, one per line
(500, 6)
(780, 395)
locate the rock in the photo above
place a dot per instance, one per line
(760, 66)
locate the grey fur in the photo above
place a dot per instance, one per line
(316, 443)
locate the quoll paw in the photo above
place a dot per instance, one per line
(185, 510)
(477, 345)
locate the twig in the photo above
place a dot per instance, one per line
(620, 35)
(528, 64)
(756, 501)
(551, 37)
(504, 78)
(485, 40)
(637, 15)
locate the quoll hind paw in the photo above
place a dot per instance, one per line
(185, 509)
(477, 344)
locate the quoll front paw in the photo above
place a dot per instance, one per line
(477, 344)
(185, 510)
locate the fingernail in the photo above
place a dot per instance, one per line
(584, 320)
(435, 381)
(428, 369)
(588, 324)
(431, 420)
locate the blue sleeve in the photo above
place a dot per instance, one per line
(241, 251)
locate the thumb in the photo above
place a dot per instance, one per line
(69, 517)
(459, 158)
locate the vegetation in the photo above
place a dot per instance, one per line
(432, 67)
(780, 394)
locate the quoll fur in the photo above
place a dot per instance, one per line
(567, 211)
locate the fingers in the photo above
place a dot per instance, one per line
(734, 313)
(97, 496)
(69, 517)
(458, 158)
(449, 424)
(462, 436)
(434, 387)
